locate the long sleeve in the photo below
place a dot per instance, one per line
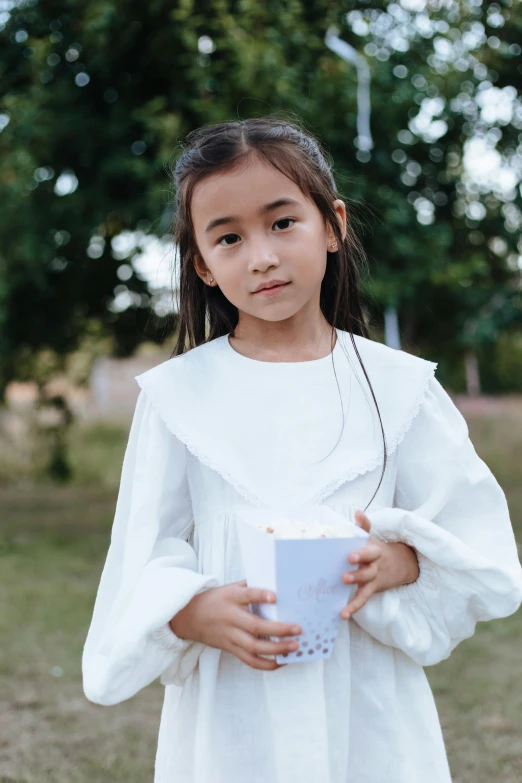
(450, 508)
(150, 573)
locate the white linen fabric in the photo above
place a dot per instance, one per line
(215, 434)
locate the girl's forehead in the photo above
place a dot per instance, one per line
(243, 191)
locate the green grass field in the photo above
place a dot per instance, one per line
(53, 541)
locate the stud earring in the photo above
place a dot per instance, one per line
(211, 279)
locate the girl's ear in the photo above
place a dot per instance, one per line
(340, 209)
(201, 268)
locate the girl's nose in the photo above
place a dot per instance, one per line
(262, 259)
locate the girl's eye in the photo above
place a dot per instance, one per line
(226, 237)
(281, 220)
(284, 220)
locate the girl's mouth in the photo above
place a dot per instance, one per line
(273, 290)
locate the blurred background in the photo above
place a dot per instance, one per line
(418, 103)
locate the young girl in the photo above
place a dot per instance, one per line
(288, 402)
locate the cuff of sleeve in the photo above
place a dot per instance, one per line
(427, 580)
(167, 639)
(186, 652)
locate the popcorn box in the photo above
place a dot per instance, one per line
(305, 573)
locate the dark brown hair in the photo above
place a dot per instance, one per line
(204, 311)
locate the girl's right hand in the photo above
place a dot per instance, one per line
(220, 617)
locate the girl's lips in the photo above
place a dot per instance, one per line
(272, 291)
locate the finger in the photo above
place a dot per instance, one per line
(260, 627)
(362, 595)
(361, 575)
(367, 554)
(254, 595)
(256, 646)
(362, 520)
(254, 661)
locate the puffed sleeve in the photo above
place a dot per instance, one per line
(150, 573)
(450, 508)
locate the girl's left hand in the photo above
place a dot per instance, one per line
(382, 565)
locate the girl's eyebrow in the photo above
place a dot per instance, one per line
(280, 202)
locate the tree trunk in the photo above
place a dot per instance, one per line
(472, 373)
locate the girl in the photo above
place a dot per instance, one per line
(288, 402)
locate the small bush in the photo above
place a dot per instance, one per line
(508, 361)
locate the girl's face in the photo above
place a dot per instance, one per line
(253, 225)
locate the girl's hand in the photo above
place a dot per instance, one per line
(220, 617)
(381, 565)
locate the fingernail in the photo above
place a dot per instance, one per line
(270, 598)
(355, 558)
(296, 629)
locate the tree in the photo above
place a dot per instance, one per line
(96, 97)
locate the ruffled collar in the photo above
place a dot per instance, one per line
(219, 403)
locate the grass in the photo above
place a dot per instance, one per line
(53, 541)
(51, 563)
(476, 689)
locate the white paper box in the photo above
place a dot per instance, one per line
(306, 576)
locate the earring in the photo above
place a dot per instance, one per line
(334, 244)
(211, 279)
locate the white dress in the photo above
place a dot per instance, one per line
(214, 432)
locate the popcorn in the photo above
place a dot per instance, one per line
(286, 527)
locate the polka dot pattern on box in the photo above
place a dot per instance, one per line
(317, 639)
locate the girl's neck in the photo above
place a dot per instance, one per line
(289, 348)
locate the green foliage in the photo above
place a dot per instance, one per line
(102, 93)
